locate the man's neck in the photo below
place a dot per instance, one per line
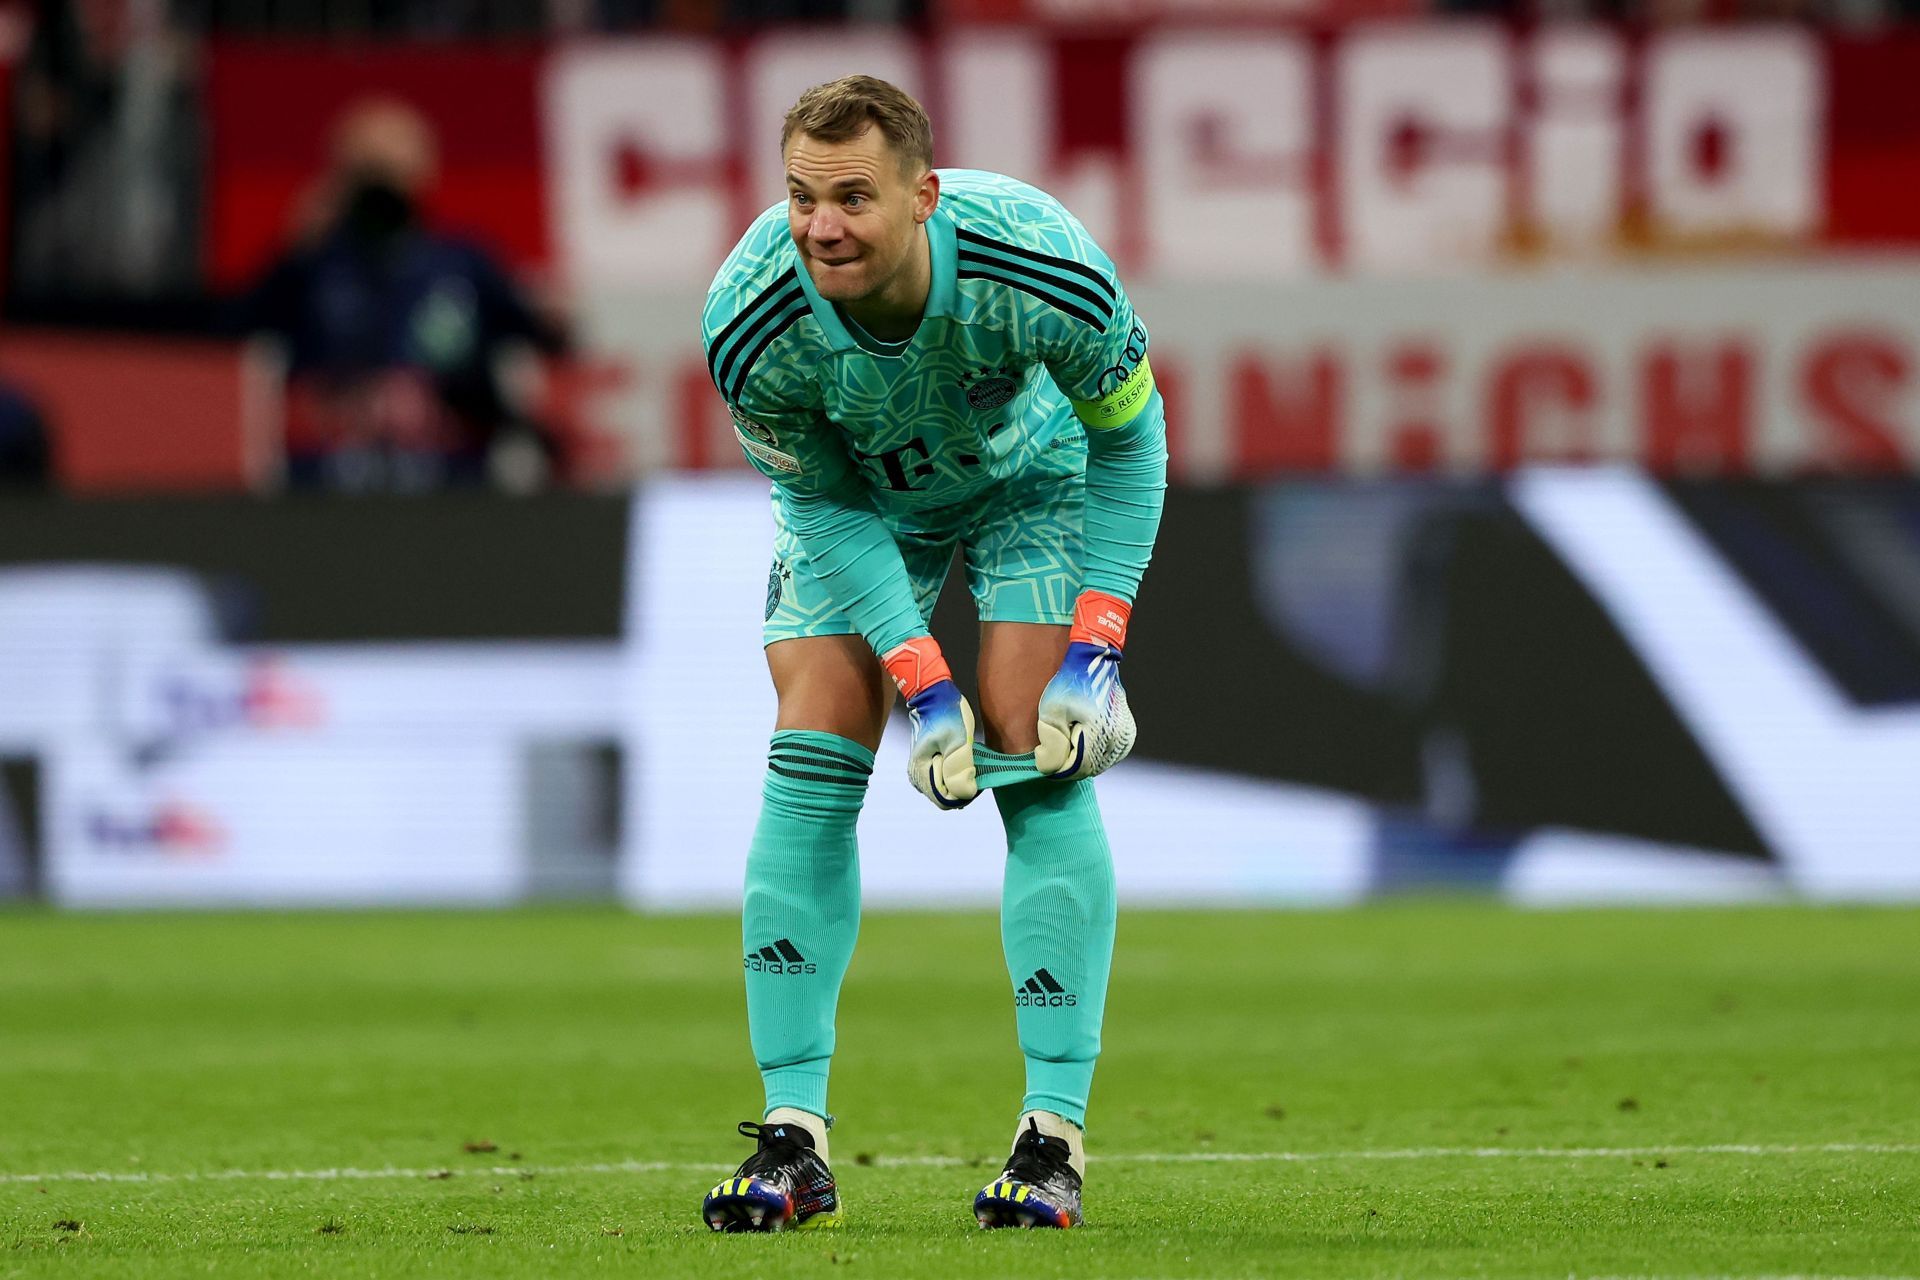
(893, 314)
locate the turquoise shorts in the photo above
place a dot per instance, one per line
(1020, 542)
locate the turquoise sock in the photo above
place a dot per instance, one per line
(1056, 927)
(801, 909)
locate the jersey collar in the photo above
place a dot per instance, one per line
(941, 294)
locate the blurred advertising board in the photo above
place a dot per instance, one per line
(228, 702)
(363, 774)
(1560, 684)
(1699, 370)
(1570, 685)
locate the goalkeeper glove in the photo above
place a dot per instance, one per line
(940, 757)
(1085, 726)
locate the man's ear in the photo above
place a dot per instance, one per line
(926, 196)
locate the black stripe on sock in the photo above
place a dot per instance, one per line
(1034, 987)
(851, 768)
(807, 775)
(824, 754)
(768, 953)
(1046, 980)
(788, 950)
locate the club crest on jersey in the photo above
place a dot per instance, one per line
(988, 388)
(777, 578)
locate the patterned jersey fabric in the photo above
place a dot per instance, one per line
(1026, 326)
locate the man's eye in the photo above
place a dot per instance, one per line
(800, 200)
(854, 202)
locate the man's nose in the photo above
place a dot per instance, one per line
(825, 225)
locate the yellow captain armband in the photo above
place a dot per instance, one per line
(1121, 405)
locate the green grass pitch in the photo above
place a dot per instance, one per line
(1420, 1089)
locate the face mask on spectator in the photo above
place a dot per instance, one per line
(376, 210)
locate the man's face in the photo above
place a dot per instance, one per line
(854, 212)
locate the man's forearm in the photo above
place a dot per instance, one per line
(1126, 489)
(856, 559)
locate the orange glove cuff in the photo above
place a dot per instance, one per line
(916, 664)
(1099, 618)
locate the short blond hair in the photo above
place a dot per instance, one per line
(841, 110)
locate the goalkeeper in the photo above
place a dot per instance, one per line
(922, 360)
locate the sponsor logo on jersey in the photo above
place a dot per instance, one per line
(758, 430)
(1121, 371)
(761, 441)
(1121, 405)
(989, 388)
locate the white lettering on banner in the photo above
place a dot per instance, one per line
(1223, 127)
(1733, 122)
(1575, 139)
(1409, 148)
(638, 137)
(1423, 170)
(1694, 371)
(999, 104)
(1000, 114)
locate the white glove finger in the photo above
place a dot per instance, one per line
(958, 779)
(1063, 747)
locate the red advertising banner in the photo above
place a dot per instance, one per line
(1194, 152)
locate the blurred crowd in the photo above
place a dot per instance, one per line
(107, 173)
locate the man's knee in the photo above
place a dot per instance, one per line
(1016, 661)
(830, 684)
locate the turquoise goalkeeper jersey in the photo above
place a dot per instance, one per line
(1028, 344)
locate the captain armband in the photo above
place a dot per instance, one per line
(1122, 403)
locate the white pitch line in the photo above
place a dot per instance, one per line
(945, 1162)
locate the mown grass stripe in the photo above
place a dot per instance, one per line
(346, 1174)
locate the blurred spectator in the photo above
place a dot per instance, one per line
(393, 333)
(26, 455)
(106, 155)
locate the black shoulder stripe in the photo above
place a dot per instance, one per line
(740, 364)
(1066, 288)
(720, 359)
(976, 271)
(771, 297)
(1099, 278)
